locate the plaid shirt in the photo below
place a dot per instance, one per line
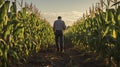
(59, 25)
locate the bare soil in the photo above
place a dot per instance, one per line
(71, 57)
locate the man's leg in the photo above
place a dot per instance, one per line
(61, 42)
(56, 40)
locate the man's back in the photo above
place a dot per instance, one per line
(59, 25)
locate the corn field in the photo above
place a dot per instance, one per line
(99, 32)
(21, 33)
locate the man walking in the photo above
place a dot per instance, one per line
(58, 28)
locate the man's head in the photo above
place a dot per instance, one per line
(59, 17)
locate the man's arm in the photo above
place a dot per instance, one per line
(64, 26)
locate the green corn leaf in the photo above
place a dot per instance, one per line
(112, 16)
(114, 34)
(13, 8)
(8, 30)
(5, 55)
(3, 13)
(13, 54)
(24, 12)
(119, 18)
(1, 52)
(18, 31)
(106, 31)
(1, 2)
(4, 9)
(108, 16)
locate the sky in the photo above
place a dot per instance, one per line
(70, 10)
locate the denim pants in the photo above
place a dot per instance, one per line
(59, 40)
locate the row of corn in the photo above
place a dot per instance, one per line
(21, 33)
(100, 33)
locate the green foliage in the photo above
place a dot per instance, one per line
(3, 15)
(1, 2)
(99, 34)
(21, 33)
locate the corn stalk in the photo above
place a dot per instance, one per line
(99, 34)
(21, 33)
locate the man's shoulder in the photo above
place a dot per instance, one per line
(62, 21)
(56, 21)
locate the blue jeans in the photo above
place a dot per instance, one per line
(59, 40)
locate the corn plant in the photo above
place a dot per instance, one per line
(21, 33)
(100, 34)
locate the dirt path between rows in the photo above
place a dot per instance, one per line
(70, 58)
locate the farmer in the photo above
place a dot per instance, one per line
(58, 28)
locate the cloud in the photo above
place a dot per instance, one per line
(68, 17)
